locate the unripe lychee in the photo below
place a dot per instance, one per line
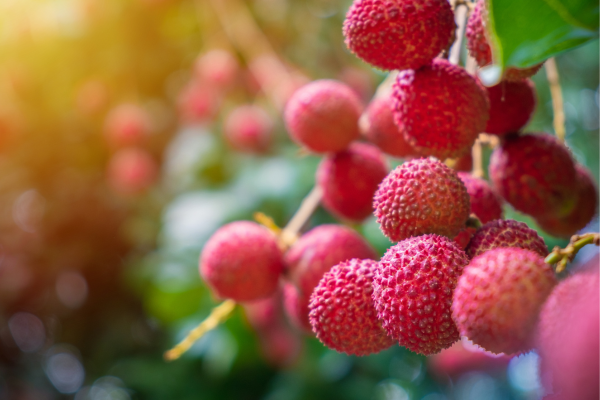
(323, 116)
(421, 196)
(582, 213)
(378, 126)
(440, 108)
(506, 233)
(511, 106)
(295, 305)
(536, 174)
(249, 129)
(413, 287)
(485, 203)
(398, 34)
(127, 125)
(217, 67)
(342, 313)
(132, 170)
(479, 48)
(349, 180)
(242, 261)
(499, 296)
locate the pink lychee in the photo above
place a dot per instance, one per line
(506, 233)
(217, 67)
(132, 170)
(249, 129)
(511, 106)
(296, 308)
(127, 125)
(485, 203)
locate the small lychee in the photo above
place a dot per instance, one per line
(295, 305)
(506, 233)
(198, 103)
(132, 170)
(511, 106)
(249, 129)
(127, 125)
(217, 67)
(485, 203)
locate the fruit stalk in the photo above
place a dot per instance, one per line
(557, 98)
(289, 234)
(562, 256)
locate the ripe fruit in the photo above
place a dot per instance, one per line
(323, 116)
(511, 106)
(464, 237)
(378, 126)
(485, 203)
(295, 305)
(249, 128)
(498, 298)
(198, 103)
(131, 171)
(349, 180)
(479, 48)
(536, 174)
(342, 313)
(440, 108)
(582, 213)
(463, 357)
(398, 34)
(127, 125)
(413, 287)
(506, 233)
(421, 196)
(242, 261)
(217, 68)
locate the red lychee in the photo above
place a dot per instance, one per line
(349, 180)
(249, 129)
(511, 106)
(399, 34)
(506, 233)
(217, 67)
(421, 196)
(132, 170)
(485, 203)
(464, 237)
(296, 307)
(498, 298)
(342, 313)
(582, 213)
(378, 126)
(323, 116)
(198, 103)
(127, 125)
(479, 48)
(536, 174)
(440, 108)
(242, 261)
(413, 287)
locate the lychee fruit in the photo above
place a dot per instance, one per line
(583, 212)
(349, 180)
(464, 237)
(295, 305)
(398, 34)
(535, 174)
(421, 196)
(413, 287)
(511, 106)
(198, 103)
(323, 116)
(132, 170)
(379, 128)
(506, 233)
(464, 163)
(485, 203)
(264, 313)
(499, 296)
(127, 125)
(249, 129)
(342, 313)
(440, 108)
(242, 261)
(217, 67)
(479, 48)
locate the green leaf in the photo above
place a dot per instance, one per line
(525, 33)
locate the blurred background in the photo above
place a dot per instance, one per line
(114, 171)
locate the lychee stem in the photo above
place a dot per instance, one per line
(562, 256)
(218, 315)
(289, 234)
(461, 12)
(557, 98)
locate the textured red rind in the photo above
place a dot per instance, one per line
(242, 261)
(485, 203)
(342, 313)
(296, 308)
(506, 233)
(536, 174)
(413, 287)
(511, 106)
(249, 128)
(323, 116)
(398, 34)
(421, 196)
(440, 108)
(499, 296)
(349, 180)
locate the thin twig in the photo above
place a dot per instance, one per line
(561, 257)
(289, 234)
(557, 98)
(460, 16)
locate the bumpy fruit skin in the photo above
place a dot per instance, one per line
(511, 106)
(295, 305)
(413, 287)
(583, 212)
(479, 48)
(342, 313)
(379, 128)
(421, 196)
(506, 233)
(131, 171)
(485, 203)
(323, 116)
(127, 125)
(349, 180)
(536, 174)
(498, 298)
(440, 108)
(398, 34)
(242, 261)
(249, 129)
